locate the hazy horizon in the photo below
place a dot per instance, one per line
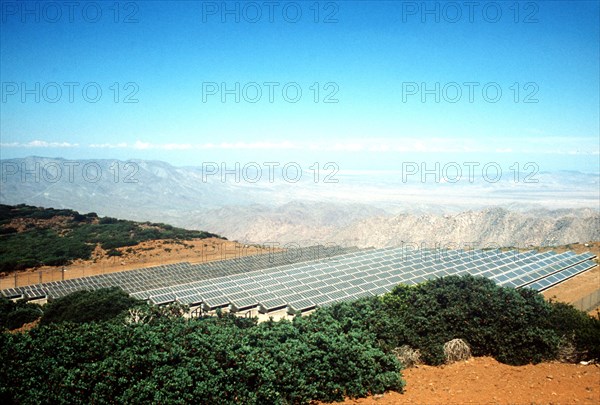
(415, 188)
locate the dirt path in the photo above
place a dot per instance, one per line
(483, 380)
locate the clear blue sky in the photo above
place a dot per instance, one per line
(374, 51)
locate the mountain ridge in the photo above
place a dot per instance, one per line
(306, 213)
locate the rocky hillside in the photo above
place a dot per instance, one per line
(494, 226)
(298, 223)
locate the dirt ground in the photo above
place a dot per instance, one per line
(145, 254)
(575, 288)
(578, 248)
(581, 285)
(483, 380)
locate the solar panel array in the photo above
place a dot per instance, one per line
(174, 274)
(302, 285)
(364, 273)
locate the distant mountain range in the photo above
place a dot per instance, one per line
(357, 210)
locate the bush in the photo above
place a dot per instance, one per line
(108, 220)
(505, 323)
(577, 330)
(513, 326)
(6, 307)
(88, 306)
(114, 252)
(7, 230)
(223, 360)
(408, 356)
(22, 315)
(37, 246)
(13, 315)
(143, 353)
(456, 350)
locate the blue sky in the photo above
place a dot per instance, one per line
(373, 57)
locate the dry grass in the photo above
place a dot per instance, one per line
(567, 352)
(408, 356)
(456, 350)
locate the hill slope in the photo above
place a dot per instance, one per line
(31, 236)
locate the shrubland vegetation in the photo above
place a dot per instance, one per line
(88, 306)
(58, 243)
(13, 315)
(138, 353)
(158, 356)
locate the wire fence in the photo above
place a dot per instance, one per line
(208, 254)
(19, 279)
(588, 302)
(39, 276)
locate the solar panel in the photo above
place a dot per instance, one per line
(321, 299)
(215, 302)
(155, 277)
(11, 293)
(190, 300)
(243, 303)
(272, 304)
(34, 293)
(559, 277)
(274, 281)
(302, 305)
(162, 299)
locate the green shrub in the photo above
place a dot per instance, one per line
(6, 307)
(114, 252)
(514, 326)
(22, 315)
(88, 306)
(151, 354)
(13, 315)
(505, 323)
(225, 360)
(578, 328)
(7, 230)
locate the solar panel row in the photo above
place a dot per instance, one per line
(277, 281)
(172, 274)
(306, 285)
